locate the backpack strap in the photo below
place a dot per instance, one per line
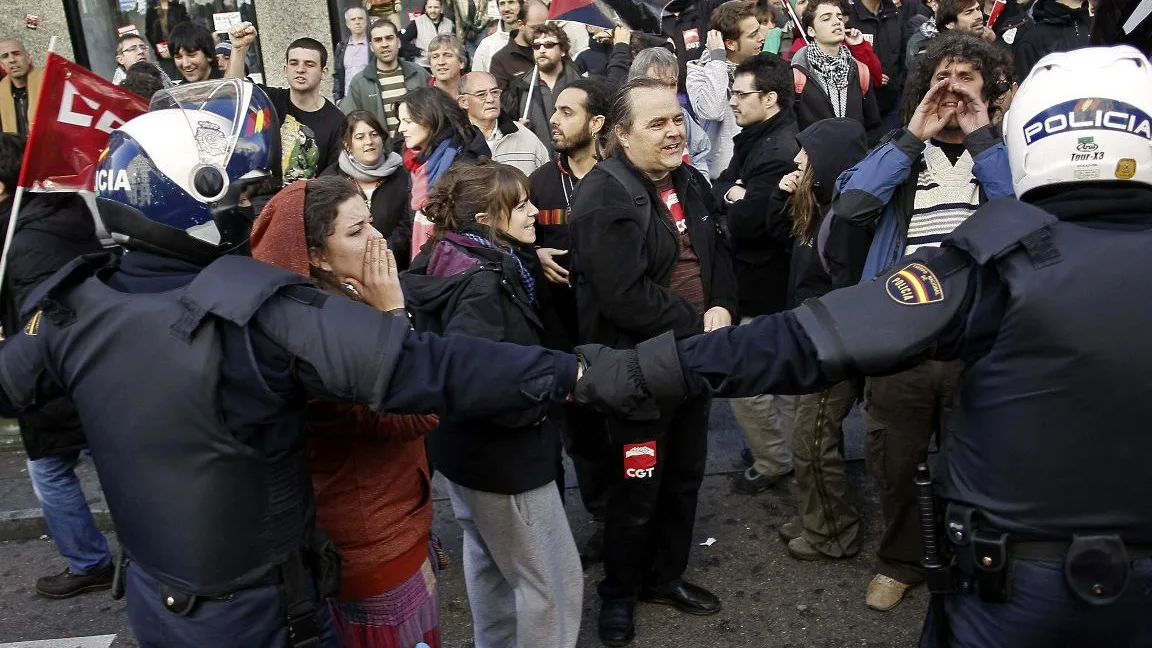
(799, 79)
(615, 168)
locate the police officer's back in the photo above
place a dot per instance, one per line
(1044, 484)
(190, 364)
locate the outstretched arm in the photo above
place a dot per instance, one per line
(347, 351)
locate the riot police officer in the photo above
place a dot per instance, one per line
(190, 364)
(1045, 482)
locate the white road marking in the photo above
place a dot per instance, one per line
(102, 641)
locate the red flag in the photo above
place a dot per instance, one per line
(75, 114)
(997, 9)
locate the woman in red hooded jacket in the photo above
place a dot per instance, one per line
(369, 470)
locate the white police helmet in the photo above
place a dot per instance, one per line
(1082, 116)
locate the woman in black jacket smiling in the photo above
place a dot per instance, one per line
(480, 277)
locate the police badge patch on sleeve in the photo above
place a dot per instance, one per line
(915, 285)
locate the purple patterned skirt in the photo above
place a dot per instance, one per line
(399, 618)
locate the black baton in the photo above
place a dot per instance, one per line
(937, 571)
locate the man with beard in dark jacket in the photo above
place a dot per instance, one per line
(648, 257)
(761, 99)
(51, 230)
(1057, 26)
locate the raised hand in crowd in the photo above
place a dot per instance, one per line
(379, 285)
(789, 181)
(935, 111)
(621, 36)
(242, 35)
(971, 109)
(715, 40)
(853, 37)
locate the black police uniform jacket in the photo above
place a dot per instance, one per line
(1048, 307)
(192, 385)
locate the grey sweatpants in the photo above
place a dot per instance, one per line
(521, 567)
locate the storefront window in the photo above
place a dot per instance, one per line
(102, 22)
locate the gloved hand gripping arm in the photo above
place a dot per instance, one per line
(873, 328)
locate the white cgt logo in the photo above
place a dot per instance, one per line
(106, 122)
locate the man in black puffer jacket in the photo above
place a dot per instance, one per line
(52, 229)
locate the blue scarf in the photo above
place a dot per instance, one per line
(525, 275)
(440, 159)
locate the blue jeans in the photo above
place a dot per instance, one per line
(67, 514)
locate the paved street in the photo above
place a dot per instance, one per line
(770, 600)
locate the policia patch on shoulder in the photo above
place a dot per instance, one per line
(915, 285)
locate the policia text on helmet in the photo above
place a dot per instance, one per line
(177, 179)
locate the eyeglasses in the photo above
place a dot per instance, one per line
(138, 47)
(545, 45)
(740, 95)
(484, 94)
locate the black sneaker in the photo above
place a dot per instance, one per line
(66, 584)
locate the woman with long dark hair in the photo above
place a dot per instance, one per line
(481, 277)
(826, 525)
(437, 135)
(369, 472)
(379, 177)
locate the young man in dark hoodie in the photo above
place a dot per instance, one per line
(1057, 26)
(52, 229)
(761, 99)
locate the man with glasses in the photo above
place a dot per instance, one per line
(130, 50)
(761, 102)
(510, 142)
(555, 71)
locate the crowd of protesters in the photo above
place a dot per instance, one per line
(554, 184)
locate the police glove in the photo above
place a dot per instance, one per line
(630, 382)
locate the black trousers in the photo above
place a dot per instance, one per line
(657, 470)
